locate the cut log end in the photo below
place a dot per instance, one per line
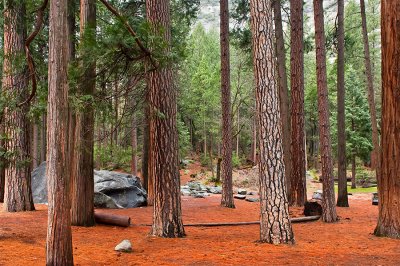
(112, 219)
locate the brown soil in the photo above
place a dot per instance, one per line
(349, 241)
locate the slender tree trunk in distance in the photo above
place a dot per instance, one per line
(82, 209)
(35, 145)
(43, 138)
(238, 133)
(134, 169)
(328, 202)
(275, 226)
(164, 161)
(283, 93)
(2, 169)
(389, 178)
(353, 172)
(371, 92)
(342, 200)
(59, 237)
(146, 179)
(18, 193)
(226, 151)
(298, 191)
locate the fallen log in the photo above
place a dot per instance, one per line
(112, 219)
(292, 220)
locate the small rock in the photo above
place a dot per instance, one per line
(251, 193)
(241, 197)
(253, 200)
(203, 188)
(317, 195)
(198, 195)
(242, 191)
(124, 246)
(185, 192)
(215, 190)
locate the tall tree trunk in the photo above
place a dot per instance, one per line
(275, 226)
(82, 209)
(238, 132)
(328, 201)
(134, 145)
(353, 171)
(2, 169)
(59, 238)
(164, 162)
(283, 93)
(371, 92)
(298, 179)
(342, 200)
(389, 178)
(147, 182)
(18, 193)
(226, 151)
(35, 145)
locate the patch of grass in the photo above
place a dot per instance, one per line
(314, 174)
(358, 189)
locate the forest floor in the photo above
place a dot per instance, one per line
(346, 242)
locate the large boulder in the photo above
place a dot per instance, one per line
(113, 190)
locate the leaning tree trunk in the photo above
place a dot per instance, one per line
(275, 226)
(342, 200)
(163, 155)
(82, 208)
(283, 93)
(328, 201)
(371, 92)
(226, 164)
(389, 178)
(59, 238)
(18, 193)
(298, 179)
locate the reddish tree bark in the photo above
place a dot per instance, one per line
(226, 151)
(328, 202)
(163, 154)
(342, 200)
(298, 194)
(283, 93)
(275, 226)
(59, 238)
(371, 92)
(389, 178)
(82, 208)
(17, 194)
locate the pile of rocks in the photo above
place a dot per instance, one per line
(198, 190)
(242, 195)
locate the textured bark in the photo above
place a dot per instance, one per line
(163, 155)
(275, 226)
(2, 171)
(59, 238)
(283, 93)
(18, 193)
(371, 92)
(389, 178)
(82, 208)
(226, 151)
(328, 201)
(298, 179)
(342, 200)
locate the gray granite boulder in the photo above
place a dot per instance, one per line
(113, 190)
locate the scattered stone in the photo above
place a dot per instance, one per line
(198, 195)
(317, 195)
(186, 192)
(215, 190)
(124, 246)
(193, 185)
(241, 197)
(203, 188)
(242, 191)
(252, 199)
(251, 193)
